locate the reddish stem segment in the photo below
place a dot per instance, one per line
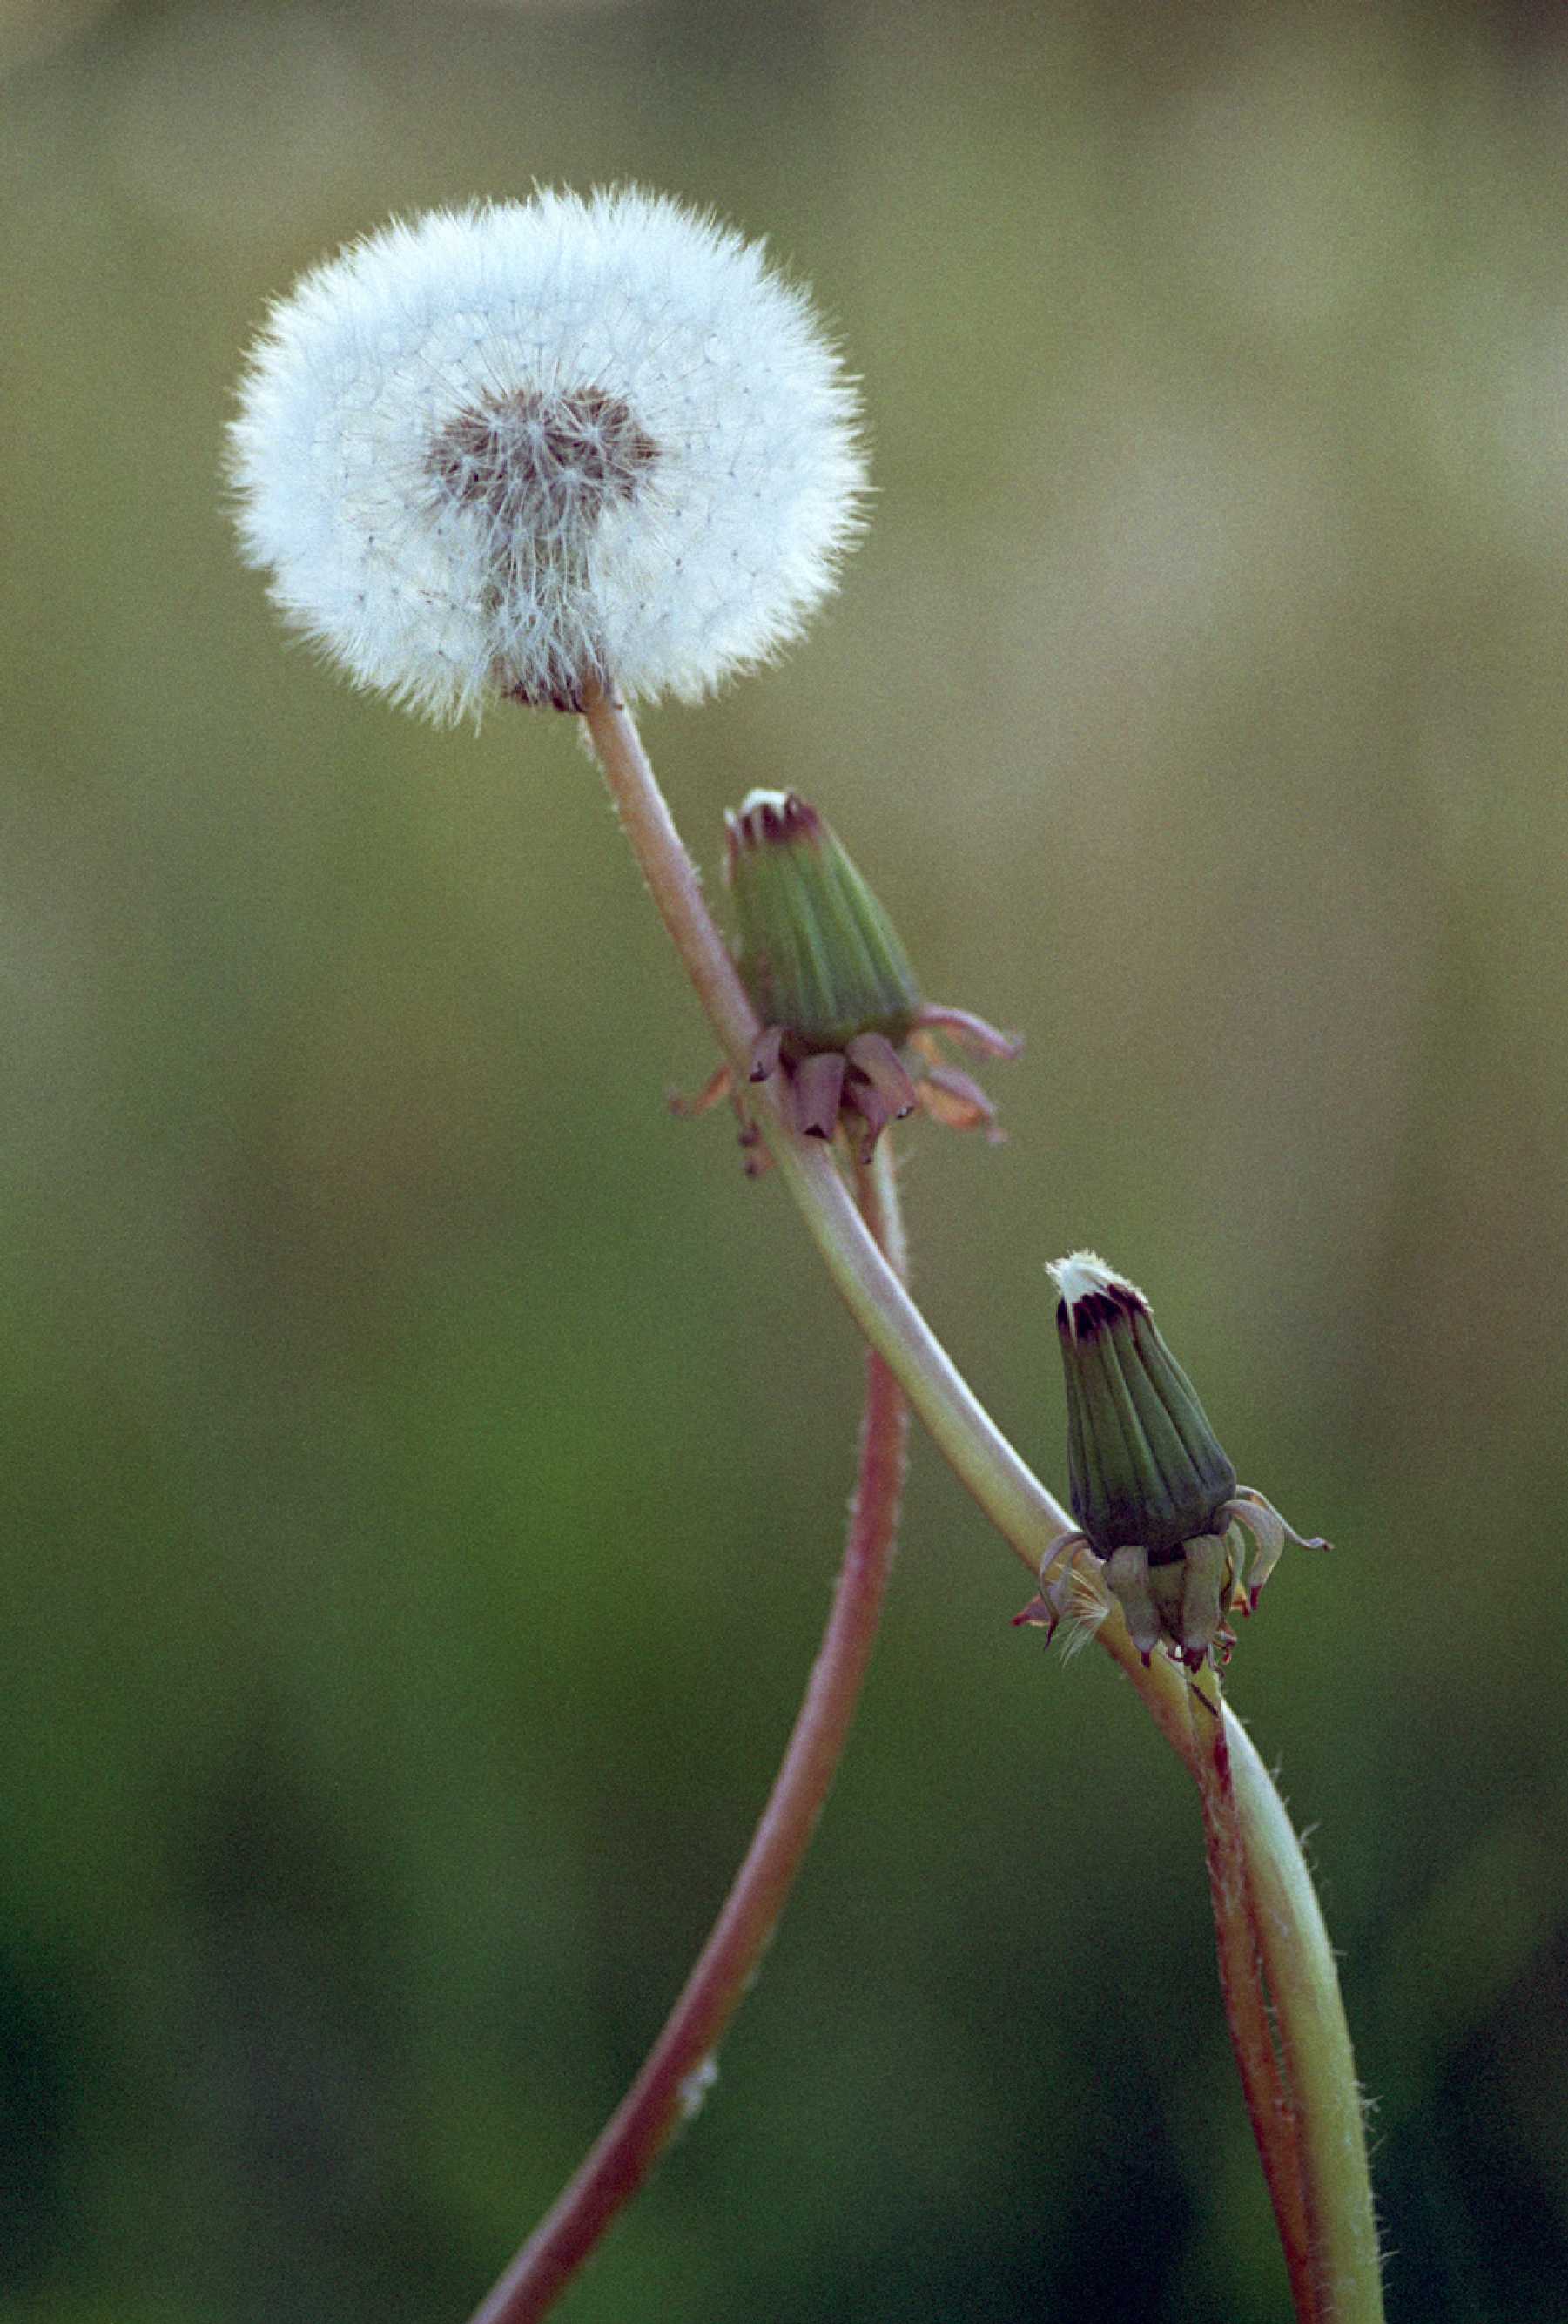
(1315, 2045)
(670, 2082)
(1270, 2103)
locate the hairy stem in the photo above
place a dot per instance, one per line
(1270, 2103)
(671, 2083)
(1289, 1962)
(1315, 2043)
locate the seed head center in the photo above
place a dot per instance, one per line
(544, 461)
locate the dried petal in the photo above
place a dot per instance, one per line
(765, 1051)
(1127, 1574)
(948, 1095)
(860, 1097)
(818, 1090)
(973, 1032)
(716, 1086)
(879, 1061)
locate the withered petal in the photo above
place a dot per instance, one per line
(818, 1090)
(716, 1086)
(765, 1048)
(875, 1056)
(971, 1031)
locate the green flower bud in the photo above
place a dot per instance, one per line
(846, 1045)
(1145, 1468)
(817, 953)
(1157, 1498)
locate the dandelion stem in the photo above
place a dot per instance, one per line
(1011, 1496)
(671, 2076)
(1270, 2103)
(1315, 2043)
(1284, 1959)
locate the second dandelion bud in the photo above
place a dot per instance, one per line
(529, 449)
(1154, 1493)
(846, 1040)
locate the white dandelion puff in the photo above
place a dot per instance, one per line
(527, 448)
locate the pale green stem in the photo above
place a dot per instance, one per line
(1315, 2059)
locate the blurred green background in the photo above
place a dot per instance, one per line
(425, 1460)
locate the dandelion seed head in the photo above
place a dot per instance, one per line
(523, 447)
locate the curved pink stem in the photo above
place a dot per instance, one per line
(672, 2078)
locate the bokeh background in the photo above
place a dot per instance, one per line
(425, 1460)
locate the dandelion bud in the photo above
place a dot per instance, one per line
(817, 953)
(846, 1040)
(1156, 1497)
(1144, 1466)
(531, 448)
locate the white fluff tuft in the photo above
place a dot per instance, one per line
(523, 447)
(1085, 1603)
(1083, 1271)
